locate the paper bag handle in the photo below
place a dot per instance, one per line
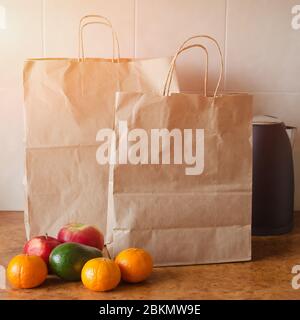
(100, 20)
(172, 66)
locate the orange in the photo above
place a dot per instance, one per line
(100, 274)
(135, 264)
(26, 271)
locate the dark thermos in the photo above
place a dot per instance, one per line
(273, 178)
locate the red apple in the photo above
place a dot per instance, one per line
(41, 246)
(81, 233)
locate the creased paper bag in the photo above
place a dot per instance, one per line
(67, 101)
(185, 213)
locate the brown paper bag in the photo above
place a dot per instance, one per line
(66, 102)
(184, 212)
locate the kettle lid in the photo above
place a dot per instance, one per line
(265, 120)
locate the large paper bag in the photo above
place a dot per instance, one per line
(186, 212)
(67, 101)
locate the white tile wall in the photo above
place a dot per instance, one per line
(162, 25)
(262, 48)
(21, 39)
(61, 24)
(261, 56)
(11, 154)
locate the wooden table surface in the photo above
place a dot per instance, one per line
(268, 276)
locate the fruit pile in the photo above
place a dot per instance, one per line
(76, 255)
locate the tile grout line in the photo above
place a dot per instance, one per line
(225, 45)
(43, 28)
(134, 27)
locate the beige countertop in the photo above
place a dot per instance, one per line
(267, 276)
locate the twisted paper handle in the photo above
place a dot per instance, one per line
(182, 48)
(99, 20)
(172, 67)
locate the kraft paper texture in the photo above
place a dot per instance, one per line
(183, 219)
(66, 102)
